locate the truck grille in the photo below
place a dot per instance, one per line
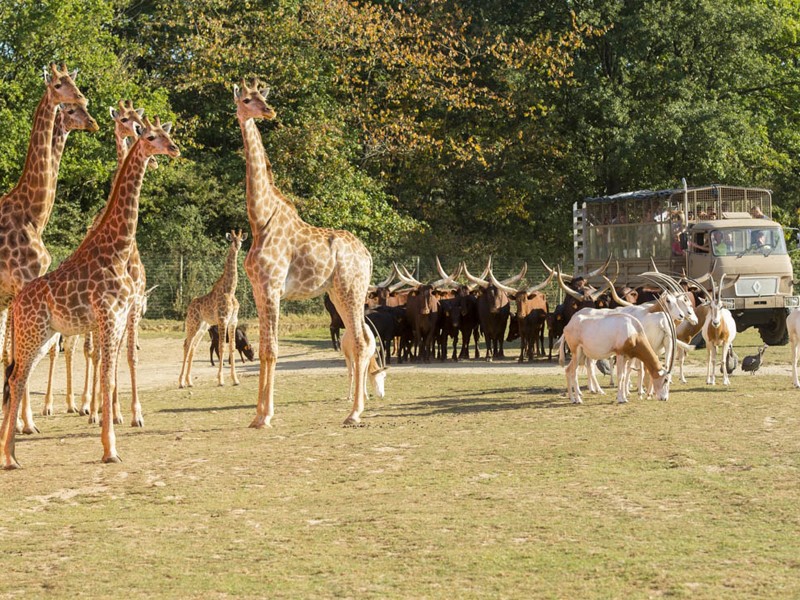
(749, 287)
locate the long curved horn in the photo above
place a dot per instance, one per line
(615, 296)
(518, 276)
(501, 286)
(567, 290)
(666, 280)
(388, 280)
(405, 277)
(477, 281)
(653, 265)
(673, 336)
(596, 295)
(728, 285)
(544, 284)
(445, 278)
(553, 271)
(597, 272)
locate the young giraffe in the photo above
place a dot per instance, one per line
(90, 291)
(71, 117)
(291, 259)
(220, 307)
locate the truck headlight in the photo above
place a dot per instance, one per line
(791, 301)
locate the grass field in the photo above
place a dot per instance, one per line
(463, 482)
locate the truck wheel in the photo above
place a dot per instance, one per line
(775, 333)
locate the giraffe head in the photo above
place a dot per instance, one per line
(127, 119)
(128, 124)
(77, 117)
(236, 238)
(156, 140)
(61, 86)
(251, 101)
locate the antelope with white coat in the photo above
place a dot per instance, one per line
(719, 330)
(599, 336)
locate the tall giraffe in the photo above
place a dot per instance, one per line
(127, 124)
(25, 209)
(90, 291)
(291, 259)
(71, 117)
(220, 307)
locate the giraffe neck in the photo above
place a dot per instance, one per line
(122, 147)
(60, 133)
(115, 233)
(36, 184)
(261, 201)
(230, 276)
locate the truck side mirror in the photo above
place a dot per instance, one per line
(684, 241)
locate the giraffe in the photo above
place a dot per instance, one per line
(220, 307)
(71, 117)
(127, 124)
(90, 291)
(25, 210)
(292, 259)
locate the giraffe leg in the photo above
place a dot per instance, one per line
(47, 409)
(94, 407)
(192, 328)
(222, 328)
(88, 383)
(70, 344)
(352, 313)
(133, 362)
(268, 308)
(109, 343)
(232, 350)
(116, 410)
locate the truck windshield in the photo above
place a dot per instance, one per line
(747, 240)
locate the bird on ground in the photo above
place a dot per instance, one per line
(753, 363)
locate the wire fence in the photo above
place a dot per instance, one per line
(182, 277)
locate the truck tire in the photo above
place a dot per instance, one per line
(775, 333)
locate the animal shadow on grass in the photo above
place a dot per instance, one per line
(478, 402)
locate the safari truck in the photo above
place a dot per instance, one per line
(714, 229)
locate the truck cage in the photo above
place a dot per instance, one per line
(634, 226)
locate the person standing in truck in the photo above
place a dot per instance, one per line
(757, 213)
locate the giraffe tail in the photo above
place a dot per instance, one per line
(6, 387)
(376, 370)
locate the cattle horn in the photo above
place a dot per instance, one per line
(602, 269)
(477, 281)
(615, 296)
(445, 278)
(501, 286)
(387, 281)
(406, 277)
(569, 291)
(544, 284)
(553, 272)
(518, 276)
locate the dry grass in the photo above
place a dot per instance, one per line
(462, 483)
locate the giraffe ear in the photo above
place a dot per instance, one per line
(236, 92)
(228, 237)
(137, 127)
(74, 75)
(113, 112)
(244, 236)
(47, 77)
(167, 127)
(265, 91)
(140, 112)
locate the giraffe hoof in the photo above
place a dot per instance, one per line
(47, 411)
(138, 422)
(93, 420)
(30, 430)
(236, 382)
(71, 410)
(352, 420)
(118, 420)
(11, 466)
(113, 458)
(260, 423)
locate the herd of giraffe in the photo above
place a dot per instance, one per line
(100, 290)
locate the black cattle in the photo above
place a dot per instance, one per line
(494, 309)
(422, 313)
(242, 344)
(465, 320)
(387, 322)
(336, 322)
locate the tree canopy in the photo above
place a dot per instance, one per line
(424, 126)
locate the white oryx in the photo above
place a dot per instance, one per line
(598, 336)
(719, 330)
